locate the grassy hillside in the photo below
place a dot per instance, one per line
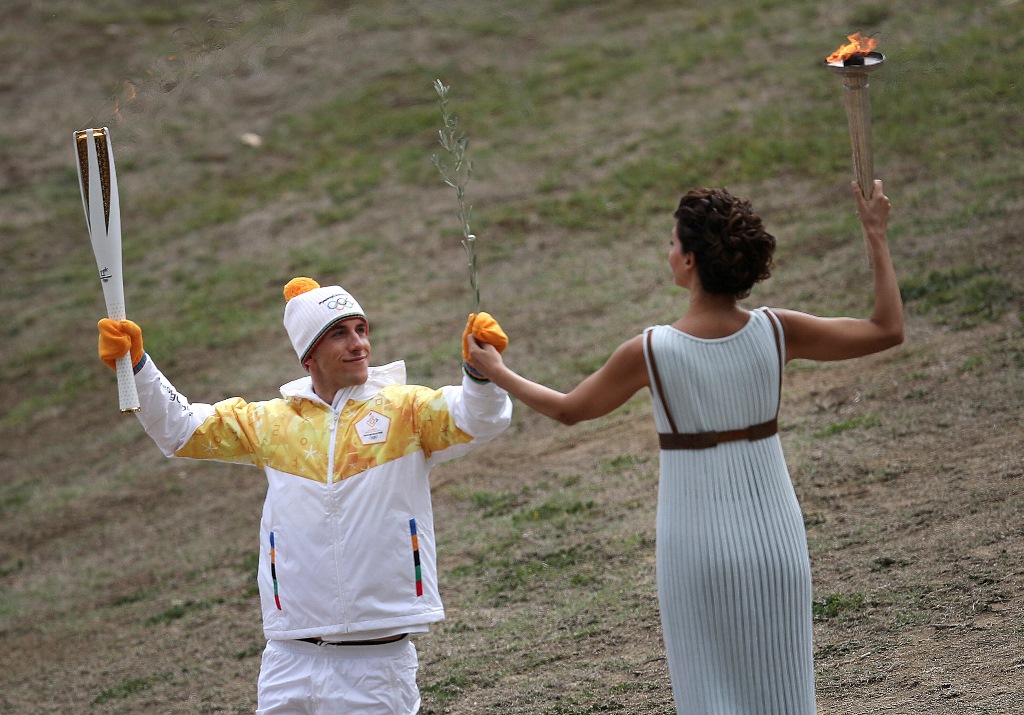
(127, 581)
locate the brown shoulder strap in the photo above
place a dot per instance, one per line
(657, 382)
(772, 318)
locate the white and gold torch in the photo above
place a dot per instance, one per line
(98, 182)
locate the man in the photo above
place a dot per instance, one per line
(347, 565)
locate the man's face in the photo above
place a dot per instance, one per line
(342, 358)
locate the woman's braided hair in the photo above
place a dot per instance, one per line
(728, 240)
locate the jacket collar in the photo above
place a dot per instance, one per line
(378, 378)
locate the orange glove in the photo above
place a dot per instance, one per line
(118, 338)
(485, 329)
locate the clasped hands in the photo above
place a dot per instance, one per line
(484, 329)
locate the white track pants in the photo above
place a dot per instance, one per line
(299, 678)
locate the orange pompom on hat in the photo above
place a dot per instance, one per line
(311, 310)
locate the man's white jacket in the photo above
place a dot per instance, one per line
(347, 546)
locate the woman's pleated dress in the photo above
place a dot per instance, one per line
(734, 581)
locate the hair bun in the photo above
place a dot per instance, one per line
(298, 286)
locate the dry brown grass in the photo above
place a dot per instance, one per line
(126, 580)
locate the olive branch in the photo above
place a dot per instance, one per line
(456, 170)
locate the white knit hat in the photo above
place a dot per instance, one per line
(311, 310)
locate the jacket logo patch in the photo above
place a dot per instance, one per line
(373, 429)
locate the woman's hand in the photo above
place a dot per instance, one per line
(483, 328)
(484, 357)
(873, 212)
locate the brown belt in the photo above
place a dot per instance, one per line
(372, 641)
(707, 440)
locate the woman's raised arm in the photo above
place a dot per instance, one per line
(814, 338)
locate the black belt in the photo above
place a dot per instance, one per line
(372, 641)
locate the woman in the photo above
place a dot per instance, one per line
(734, 583)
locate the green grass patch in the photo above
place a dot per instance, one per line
(576, 705)
(557, 509)
(623, 463)
(444, 691)
(884, 563)
(15, 567)
(128, 688)
(866, 421)
(14, 496)
(836, 605)
(177, 612)
(507, 578)
(960, 297)
(911, 605)
(492, 504)
(251, 652)
(134, 597)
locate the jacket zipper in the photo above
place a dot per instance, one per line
(333, 442)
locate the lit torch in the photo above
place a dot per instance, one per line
(98, 182)
(852, 62)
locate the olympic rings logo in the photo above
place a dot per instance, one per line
(339, 301)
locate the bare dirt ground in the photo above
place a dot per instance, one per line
(127, 580)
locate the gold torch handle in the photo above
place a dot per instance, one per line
(858, 119)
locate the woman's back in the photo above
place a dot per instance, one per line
(717, 384)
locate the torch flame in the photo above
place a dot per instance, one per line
(858, 45)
